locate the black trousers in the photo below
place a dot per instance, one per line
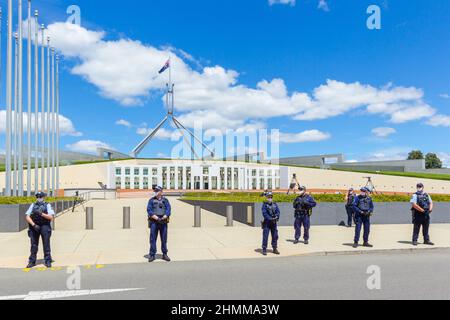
(350, 215)
(421, 222)
(45, 234)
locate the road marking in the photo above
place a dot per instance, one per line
(44, 269)
(48, 295)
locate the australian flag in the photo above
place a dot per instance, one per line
(166, 66)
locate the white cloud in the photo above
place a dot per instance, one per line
(127, 71)
(383, 132)
(66, 126)
(439, 121)
(163, 134)
(445, 96)
(323, 5)
(288, 2)
(396, 153)
(87, 146)
(305, 136)
(123, 123)
(445, 157)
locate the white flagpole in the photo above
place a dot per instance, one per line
(53, 122)
(20, 98)
(9, 130)
(43, 123)
(36, 102)
(29, 97)
(48, 117)
(57, 123)
(16, 116)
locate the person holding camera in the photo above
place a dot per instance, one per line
(303, 206)
(39, 217)
(271, 213)
(350, 198)
(422, 207)
(159, 212)
(363, 208)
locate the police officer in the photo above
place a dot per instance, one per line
(363, 208)
(350, 199)
(159, 212)
(271, 213)
(422, 207)
(303, 206)
(39, 217)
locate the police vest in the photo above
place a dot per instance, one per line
(302, 206)
(271, 209)
(38, 209)
(159, 207)
(423, 201)
(351, 200)
(365, 204)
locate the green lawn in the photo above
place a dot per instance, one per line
(28, 200)
(244, 197)
(432, 176)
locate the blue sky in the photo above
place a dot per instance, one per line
(339, 87)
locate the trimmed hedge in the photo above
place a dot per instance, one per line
(28, 200)
(320, 198)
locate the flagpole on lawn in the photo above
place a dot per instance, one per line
(20, 97)
(53, 126)
(16, 117)
(9, 128)
(43, 116)
(48, 117)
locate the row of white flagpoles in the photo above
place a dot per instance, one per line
(42, 150)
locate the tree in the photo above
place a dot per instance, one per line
(432, 161)
(415, 155)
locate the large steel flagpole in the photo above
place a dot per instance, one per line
(48, 117)
(16, 115)
(53, 120)
(36, 102)
(43, 124)
(29, 97)
(20, 97)
(57, 123)
(9, 54)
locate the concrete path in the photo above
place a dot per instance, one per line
(109, 244)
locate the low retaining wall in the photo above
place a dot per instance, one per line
(12, 217)
(326, 214)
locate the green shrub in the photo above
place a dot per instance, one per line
(332, 198)
(28, 200)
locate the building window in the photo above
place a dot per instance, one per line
(222, 178)
(145, 183)
(136, 171)
(261, 173)
(154, 181)
(172, 178)
(180, 178)
(188, 178)
(155, 171)
(214, 183)
(270, 184)
(205, 183)
(127, 171)
(269, 173)
(164, 177)
(254, 172)
(127, 183)
(229, 177)
(137, 183)
(236, 179)
(118, 183)
(118, 171)
(145, 172)
(262, 183)
(206, 171)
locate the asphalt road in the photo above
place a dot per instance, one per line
(407, 275)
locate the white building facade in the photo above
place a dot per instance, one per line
(193, 175)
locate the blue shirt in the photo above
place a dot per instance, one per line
(267, 215)
(50, 211)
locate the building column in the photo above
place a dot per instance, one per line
(168, 178)
(226, 178)
(176, 178)
(184, 178)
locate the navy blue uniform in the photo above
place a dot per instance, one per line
(422, 220)
(363, 208)
(159, 208)
(303, 206)
(45, 232)
(271, 213)
(349, 209)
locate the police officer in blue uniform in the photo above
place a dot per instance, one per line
(363, 208)
(159, 212)
(350, 199)
(271, 213)
(303, 206)
(39, 217)
(422, 207)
